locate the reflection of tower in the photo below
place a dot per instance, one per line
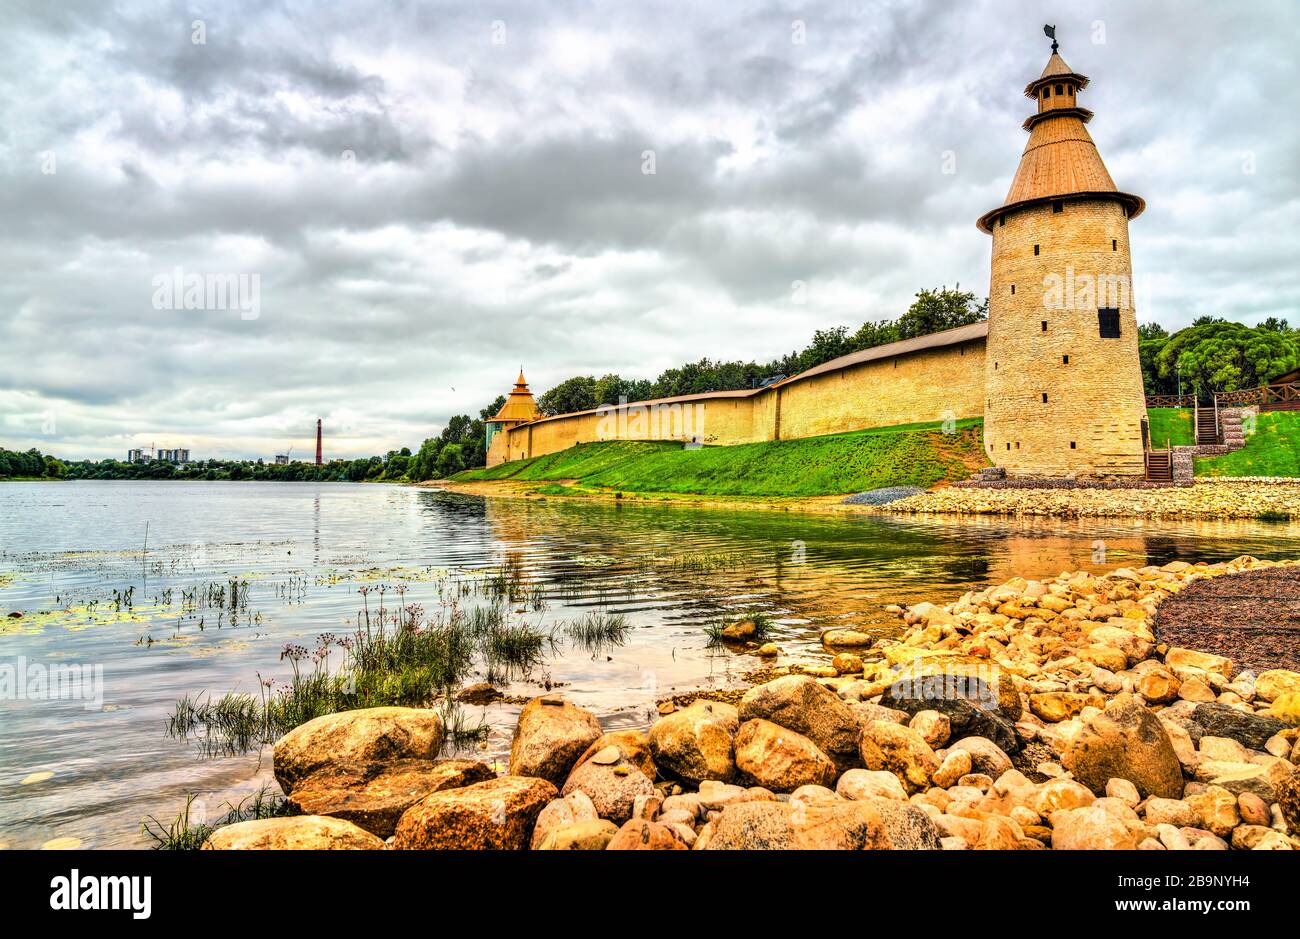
(318, 441)
(1064, 387)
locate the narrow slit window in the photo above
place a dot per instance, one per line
(1013, 290)
(1002, 220)
(1108, 323)
(1114, 244)
(1065, 360)
(1044, 397)
(1072, 445)
(1035, 250)
(1044, 325)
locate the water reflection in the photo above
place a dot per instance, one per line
(305, 548)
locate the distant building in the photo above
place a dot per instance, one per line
(137, 456)
(281, 459)
(178, 455)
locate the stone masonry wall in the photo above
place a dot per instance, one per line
(921, 386)
(927, 386)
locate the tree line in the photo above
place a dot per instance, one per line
(932, 311)
(1215, 355)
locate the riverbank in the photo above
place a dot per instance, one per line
(920, 455)
(1030, 715)
(1274, 500)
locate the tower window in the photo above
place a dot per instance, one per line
(1044, 325)
(1008, 445)
(1108, 323)
(1114, 244)
(1060, 89)
(1065, 360)
(1044, 397)
(1058, 206)
(1013, 290)
(1047, 93)
(1035, 250)
(1072, 445)
(1017, 444)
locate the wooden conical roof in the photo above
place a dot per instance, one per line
(1060, 161)
(519, 405)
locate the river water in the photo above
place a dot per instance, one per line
(130, 581)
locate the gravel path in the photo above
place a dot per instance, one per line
(1252, 618)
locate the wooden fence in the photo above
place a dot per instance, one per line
(1285, 396)
(1171, 401)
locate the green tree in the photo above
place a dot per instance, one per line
(573, 394)
(1215, 355)
(450, 460)
(936, 310)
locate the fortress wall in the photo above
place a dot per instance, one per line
(1095, 400)
(917, 387)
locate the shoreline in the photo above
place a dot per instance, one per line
(1209, 499)
(1031, 715)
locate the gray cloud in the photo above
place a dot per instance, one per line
(427, 209)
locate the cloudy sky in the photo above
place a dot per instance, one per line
(429, 195)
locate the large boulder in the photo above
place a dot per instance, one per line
(578, 836)
(965, 719)
(1275, 682)
(944, 678)
(985, 756)
(550, 736)
(297, 833)
(367, 735)
(574, 808)
(780, 759)
(633, 744)
(1288, 799)
(694, 744)
(1090, 829)
(900, 750)
(494, 815)
(611, 782)
(639, 834)
(1126, 741)
(374, 795)
(1249, 729)
(799, 703)
(872, 824)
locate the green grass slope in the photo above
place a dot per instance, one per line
(1172, 424)
(918, 455)
(1272, 450)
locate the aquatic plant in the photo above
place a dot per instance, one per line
(597, 631)
(762, 626)
(182, 834)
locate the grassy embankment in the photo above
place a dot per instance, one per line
(912, 454)
(1272, 450)
(1171, 424)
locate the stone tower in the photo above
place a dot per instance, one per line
(520, 408)
(1064, 384)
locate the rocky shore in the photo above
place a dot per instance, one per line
(1032, 715)
(1205, 500)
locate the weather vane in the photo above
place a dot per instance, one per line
(1050, 33)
